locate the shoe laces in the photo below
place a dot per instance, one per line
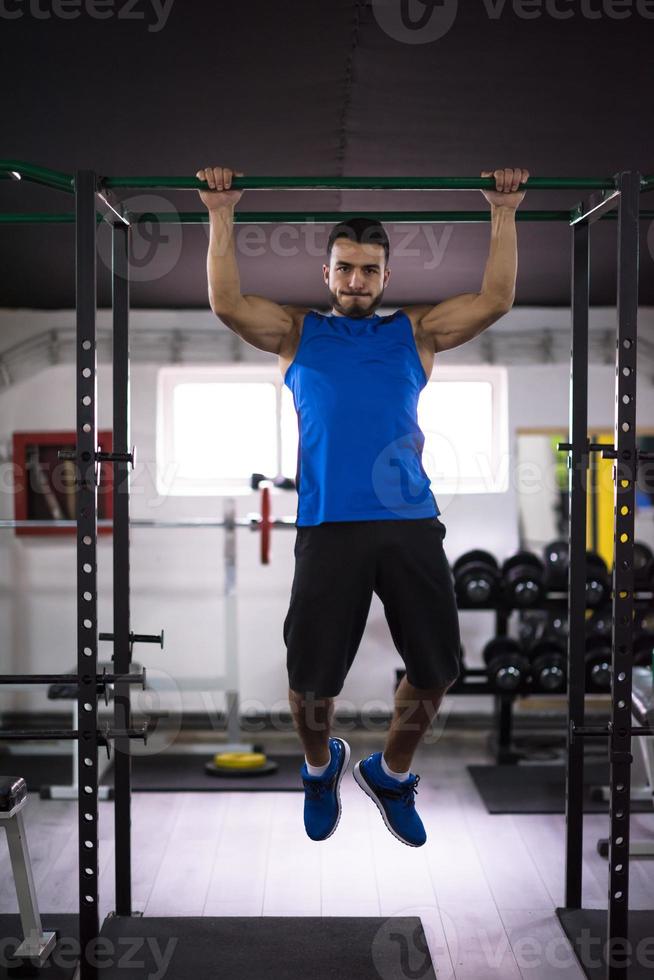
(405, 792)
(316, 791)
(408, 795)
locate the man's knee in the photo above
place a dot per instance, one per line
(310, 696)
(312, 713)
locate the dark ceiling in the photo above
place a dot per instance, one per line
(323, 88)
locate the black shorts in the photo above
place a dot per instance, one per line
(338, 566)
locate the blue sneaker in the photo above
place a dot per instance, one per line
(322, 801)
(395, 799)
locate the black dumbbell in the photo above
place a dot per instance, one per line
(598, 585)
(556, 557)
(597, 661)
(644, 620)
(476, 578)
(532, 626)
(557, 626)
(548, 662)
(643, 567)
(557, 560)
(507, 665)
(281, 482)
(523, 579)
(600, 623)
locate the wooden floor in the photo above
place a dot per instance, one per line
(484, 886)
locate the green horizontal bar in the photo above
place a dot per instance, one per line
(63, 181)
(290, 217)
(299, 217)
(38, 175)
(334, 217)
(363, 183)
(36, 218)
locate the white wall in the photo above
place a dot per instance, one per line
(177, 575)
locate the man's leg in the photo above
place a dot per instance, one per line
(312, 717)
(415, 585)
(415, 709)
(330, 600)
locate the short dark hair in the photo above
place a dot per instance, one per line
(367, 231)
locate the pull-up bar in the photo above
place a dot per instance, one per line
(301, 217)
(20, 170)
(362, 183)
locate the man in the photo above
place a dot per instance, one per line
(367, 519)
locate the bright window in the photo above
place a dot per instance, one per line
(463, 414)
(217, 426)
(289, 434)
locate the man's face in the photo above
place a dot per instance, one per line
(356, 277)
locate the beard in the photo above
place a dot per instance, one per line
(356, 309)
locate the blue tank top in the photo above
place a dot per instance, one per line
(355, 386)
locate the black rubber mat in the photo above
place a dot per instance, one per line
(539, 788)
(176, 772)
(62, 962)
(279, 948)
(164, 772)
(587, 931)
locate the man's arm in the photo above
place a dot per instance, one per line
(260, 322)
(457, 320)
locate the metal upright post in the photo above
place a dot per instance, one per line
(578, 463)
(87, 624)
(121, 638)
(593, 490)
(625, 471)
(232, 706)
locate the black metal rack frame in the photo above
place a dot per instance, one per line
(621, 193)
(619, 731)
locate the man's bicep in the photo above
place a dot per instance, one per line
(452, 314)
(261, 322)
(458, 319)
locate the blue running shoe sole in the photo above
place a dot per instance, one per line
(346, 762)
(367, 788)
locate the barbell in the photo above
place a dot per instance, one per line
(264, 522)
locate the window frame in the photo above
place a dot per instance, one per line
(497, 376)
(497, 481)
(168, 378)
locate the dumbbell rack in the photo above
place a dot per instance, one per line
(474, 680)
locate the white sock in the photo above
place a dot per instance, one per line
(317, 770)
(394, 775)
